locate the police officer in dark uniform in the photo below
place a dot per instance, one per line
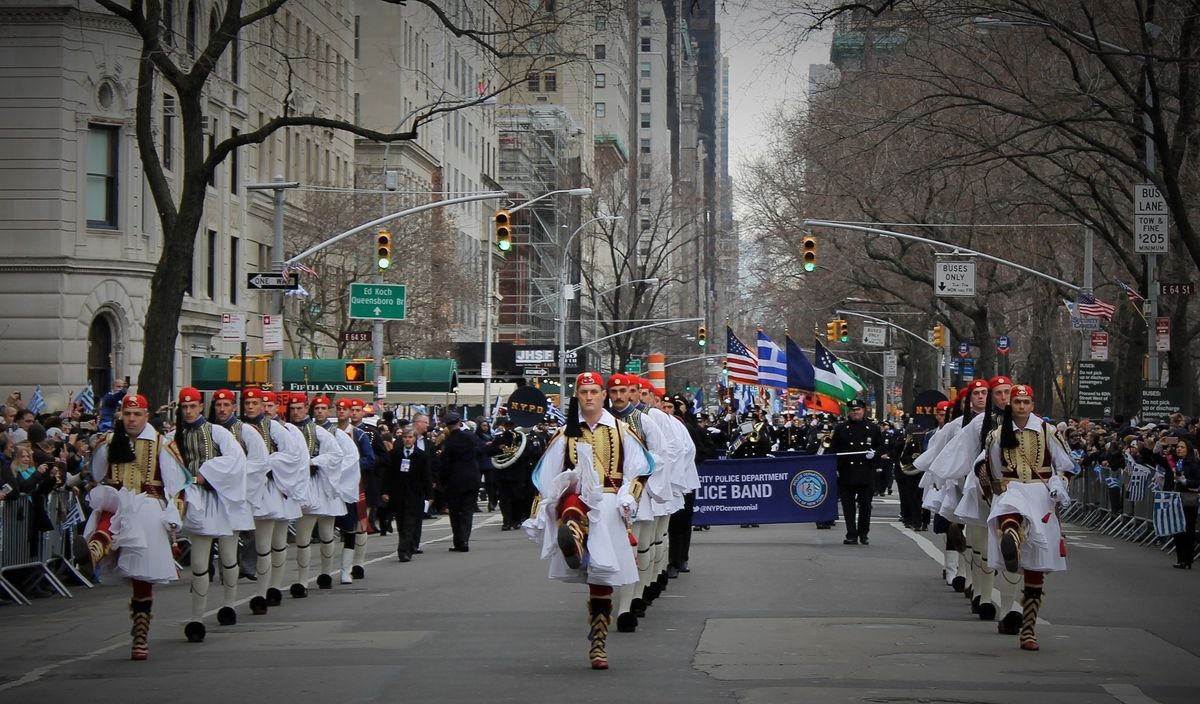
(859, 445)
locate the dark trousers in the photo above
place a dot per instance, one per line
(910, 500)
(461, 507)
(883, 480)
(514, 505)
(856, 498)
(408, 526)
(489, 488)
(1185, 542)
(679, 531)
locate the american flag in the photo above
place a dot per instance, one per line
(1134, 297)
(742, 363)
(1092, 307)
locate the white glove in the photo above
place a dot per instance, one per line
(1058, 490)
(870, 454)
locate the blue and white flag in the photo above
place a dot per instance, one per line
(698, 401)
(556, 413)
(1168, 513)
(74, 515)
(1136, 490)
(37, 404)
(1112, 482)
(772, 363)
(87, 399)
(745, 399)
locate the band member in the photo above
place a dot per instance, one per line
(134, 518)
(275, 489)
(322, 503)
(215, 506)
(351, 441)
(588, 499)
(859, 444)
(1027, 464)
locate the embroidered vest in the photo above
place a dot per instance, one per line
(607, 455)
(310, 438)
(263, 426)
(236, 428)
(142, 474)
(198, 445)
(1030, 460)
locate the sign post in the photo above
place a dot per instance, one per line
(272, 332)
(1099, 346)
(1162, 334)
(233, 327)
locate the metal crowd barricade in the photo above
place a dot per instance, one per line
(24, 548)
(1111, 511)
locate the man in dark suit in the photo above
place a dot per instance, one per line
(407, 484)
(458, 475)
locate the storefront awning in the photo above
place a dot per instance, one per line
(330, 375)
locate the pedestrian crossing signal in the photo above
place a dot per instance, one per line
(503, 221)
(356, 372)
(843, 331)
(809, 249)
(384, 248)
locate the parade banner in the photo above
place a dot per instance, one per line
(794, 489)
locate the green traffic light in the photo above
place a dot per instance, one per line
(702, 342)
(384, 262)
(504, 245)
(810, 266)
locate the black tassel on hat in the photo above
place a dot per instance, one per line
(1008, 438)
(120, 450)
(572, 429)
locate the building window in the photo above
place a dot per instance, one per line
(234, 170)
(192, 20)
(645, 145)
(645, 20)
(234, 284)
(645, 120)
(645, 95)
(645, 69)
(168, 20)
(102, 176)
(358, 108)
(210, 275)
(168, 131)
(212, 144)
(357, 19)
(645, 224)
(599, 52)
(644, 170)
(645, 43)
(600, 80)
(235, 59)
(601, 23)
(533, 82)
(601, 110)
(550, 81)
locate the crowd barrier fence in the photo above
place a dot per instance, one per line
(39, 551)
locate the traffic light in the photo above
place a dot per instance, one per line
(843, 331)
(809, 249)
(503, 230)
(384, 248)
(702, 336)
(939, 335)
(831, 331)
(356, 372)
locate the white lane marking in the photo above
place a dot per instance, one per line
(1127, 693)
(38, 673)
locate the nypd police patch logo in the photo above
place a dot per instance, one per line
(809, 489)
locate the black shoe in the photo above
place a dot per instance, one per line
(299, 591)
(627, 622)
(274, 597)
(975, 605)
(862, 539)
(672, 572)
(850, 541)
(418, 551)
(460, 548)
(683, 567)
(697, 529)
(248, 575)
(226, 616)
(505, 527)
(357, 572)
(1183, 566)
(638, 607)
(324, 581)
(405, 558)
(959, 584)
(194, 631)
(987, 612)
(258, 606)
(1010, 625)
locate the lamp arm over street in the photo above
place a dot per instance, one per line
(673, 321)
(889, 324)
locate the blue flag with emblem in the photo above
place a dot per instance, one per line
(1168, 513)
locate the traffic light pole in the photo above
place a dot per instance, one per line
(277, 264)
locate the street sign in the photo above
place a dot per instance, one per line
(536, 371)
(964, 350)
(1150, 220)
(272, 281)
(377, 301)
(272, 332)
(380, 387)
(889, 364)
(1099, 346)
(968, 368)
(1095, 389)
(1162, 334)
(634, 366)
(485, 370)
(1078, 323)
(1186, 289)
(874, 335)
(356, 336)
(1002, 344)
(233, 327)
(954, 278)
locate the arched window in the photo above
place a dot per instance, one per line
(192, 21)
(168, 22)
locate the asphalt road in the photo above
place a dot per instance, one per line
(768, 615)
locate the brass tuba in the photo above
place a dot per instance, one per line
(512, 452)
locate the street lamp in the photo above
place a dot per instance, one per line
(596, 297)
(493, 295)
(562, 298)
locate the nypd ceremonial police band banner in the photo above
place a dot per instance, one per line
(791, 489)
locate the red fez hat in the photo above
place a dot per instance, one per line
(319, 400)
(943, 405)
(618, 379)
(962, 393)
(224, 395)
(271, 396)
(1022, 391)
(593, 378)
(190, 393)
(298, 398)
(343, 403)
(977, 384)
(357, 403)
(252, 392)
(1000, 381)
(135, 401)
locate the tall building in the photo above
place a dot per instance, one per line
(82, 233)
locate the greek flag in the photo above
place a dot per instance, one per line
(772, 363)
(745, 399)
(1112, 482)
(86, 397)
(37, 404)
(1168, 513)
(1136, 490)
(74, 515)
(556, 413)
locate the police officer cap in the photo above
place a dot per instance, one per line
(857, 403)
